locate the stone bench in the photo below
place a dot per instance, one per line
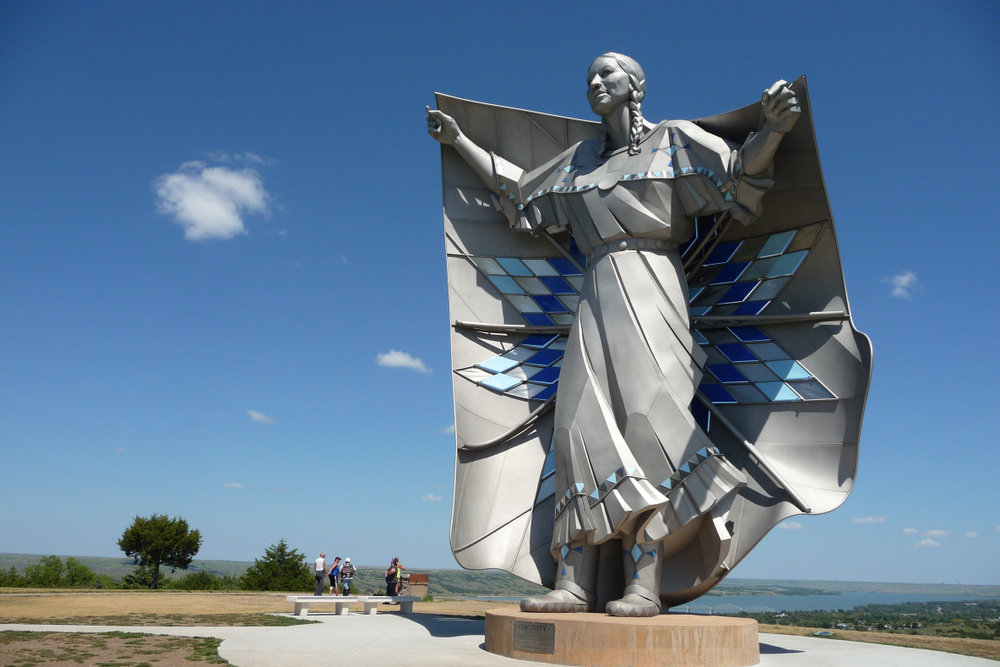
(342, 602)
(405, 602)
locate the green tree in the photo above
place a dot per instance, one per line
(281, 569)
(78, 575)
(11, 578)
(160, 540)
(45, 573)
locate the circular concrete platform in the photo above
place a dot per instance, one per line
(668, 640)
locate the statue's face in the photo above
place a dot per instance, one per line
(607, 86)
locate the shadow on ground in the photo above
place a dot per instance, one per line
(770, 649)
(449, 626)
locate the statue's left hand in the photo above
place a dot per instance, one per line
(781, 107)
(442, 127)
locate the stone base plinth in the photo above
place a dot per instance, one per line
(599, 640)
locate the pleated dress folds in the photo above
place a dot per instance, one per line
(629, 455)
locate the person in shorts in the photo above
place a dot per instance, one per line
(334, 575)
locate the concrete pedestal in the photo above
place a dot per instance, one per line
(599, 640)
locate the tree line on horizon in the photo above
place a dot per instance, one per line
(158, 541)
(163, 541)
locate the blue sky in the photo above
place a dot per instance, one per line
(217, 218)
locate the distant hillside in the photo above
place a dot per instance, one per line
(759, 586)
(455, 582)
(119, 567)
(369, 579)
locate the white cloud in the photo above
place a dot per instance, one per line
(449, 430)
(971, 535)
(260, 417)
(910, 531)
(210, 202)
(397, 359)
(120, 450)
(927, 543)
(431, 498)
(902, 284)
(232, 485)
(791, 525)
(868, 519)
(936, 533)
(253, 158)
(246, 158)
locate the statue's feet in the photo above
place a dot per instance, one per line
(631, 605)
(557, 601)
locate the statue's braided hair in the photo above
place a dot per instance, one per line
(637, 91)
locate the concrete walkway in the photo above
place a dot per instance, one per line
(425, 640)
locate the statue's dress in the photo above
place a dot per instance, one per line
(623, 423)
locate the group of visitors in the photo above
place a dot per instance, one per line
(338, 573)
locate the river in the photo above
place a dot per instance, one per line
(730, 604)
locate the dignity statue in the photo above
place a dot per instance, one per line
(654, 357)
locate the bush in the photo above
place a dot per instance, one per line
(78, 575)
(142, 577)
(50, 572)
(11, 578)
(44, 574)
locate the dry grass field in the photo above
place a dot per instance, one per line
(180, 609)
(980, 648)
(145, 609)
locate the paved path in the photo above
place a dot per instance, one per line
(426, 640)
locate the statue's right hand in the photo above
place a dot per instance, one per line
(442, 127)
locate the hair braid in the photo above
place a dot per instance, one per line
(637, 91)
(635, 112)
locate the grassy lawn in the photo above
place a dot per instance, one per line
(108, 649)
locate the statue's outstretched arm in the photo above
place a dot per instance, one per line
(781, 110)
(443, 128)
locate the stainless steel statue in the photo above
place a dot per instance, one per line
(674, 292)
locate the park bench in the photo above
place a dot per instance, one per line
(342, 602)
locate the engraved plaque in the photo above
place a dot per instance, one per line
(534, 637)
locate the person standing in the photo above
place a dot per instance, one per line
(320, 571)
(392, 577)
(334, 574)
(347, 575)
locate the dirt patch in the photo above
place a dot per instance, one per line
(110, 649)
(980, 648)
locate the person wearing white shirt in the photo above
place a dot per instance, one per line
(320, 573)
